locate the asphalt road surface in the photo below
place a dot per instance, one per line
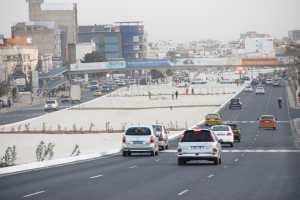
(265, 165)
(37, 110)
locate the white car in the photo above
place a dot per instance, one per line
(224, 134)
(269, 81)
(162, 136)
(259, 90)
(139, 138)
(199, 144)
(248, 88)
(51, 105)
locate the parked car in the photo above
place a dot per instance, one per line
(213, 119)
(140, 138)
(235, 103)
(236, 131)
(259, 90)
(224, 134)
(198, 144)
(267, 121)
(162, 136)
(51, 105)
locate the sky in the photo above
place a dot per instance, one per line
(178, 20)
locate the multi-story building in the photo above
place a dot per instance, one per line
(83, 48)
(106, 37)
(294, 35)
(44, 35)
(133, 39)
(64, 16)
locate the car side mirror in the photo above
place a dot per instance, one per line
(220, 141)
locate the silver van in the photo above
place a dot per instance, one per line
(162, 135)
(139, 139)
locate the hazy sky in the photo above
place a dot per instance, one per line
(179, 20)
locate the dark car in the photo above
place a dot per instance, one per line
(236, 131)
(235, 103)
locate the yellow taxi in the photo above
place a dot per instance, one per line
(97, 93)
(213, 119)
(267, 121)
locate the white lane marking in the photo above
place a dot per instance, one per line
(252, 122)
(251, 151)
(33, 194)
(254, 138)
(235, 160)
(132, 167)
(97, 176)
(225, 166)
(211, 175)
(183, 192)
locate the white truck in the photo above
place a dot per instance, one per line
(75, 93)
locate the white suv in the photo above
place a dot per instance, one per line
(139, 138)
(224, 133)
(199, 144)
(51, 105)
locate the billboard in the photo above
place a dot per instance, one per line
(98, 66)
(259, 61)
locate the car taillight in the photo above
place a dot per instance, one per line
(229, 133)
(124, 139)
(161, 138)
(152, 139)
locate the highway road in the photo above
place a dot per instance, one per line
(37, 110)
(265, 165)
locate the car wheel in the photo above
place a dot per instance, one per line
(231, 144)
(156, 153)
(124, 153)
(180, 161)
(216, 161)
(167, 147)
(152, 153)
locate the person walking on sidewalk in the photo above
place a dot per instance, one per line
(176, 94)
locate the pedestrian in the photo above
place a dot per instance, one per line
(193, 92)
(149, 95)
(8, 103)
(176, 94)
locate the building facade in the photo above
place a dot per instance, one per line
(44, 35)
(64, 16)
(107, 39)
(84, 48)
(294, 35)
(133, 40)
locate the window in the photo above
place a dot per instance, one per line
(220, 128)
(197, 136)
(138, 131)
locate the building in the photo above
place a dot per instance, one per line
(253, 34)
(84, 48)
(259, 46)
(64, 16)
(25, 56)
(44, 35)
(107, 39)
(294, 35)
(133, 39)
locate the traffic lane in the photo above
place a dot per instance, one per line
(150, 179)
(254, 176)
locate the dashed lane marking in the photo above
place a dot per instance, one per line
(183, 192)
(250, 151)
(97, 176)
(133, 167)
(211, 175)
(33, 194)
(236, 160)
(253, 122)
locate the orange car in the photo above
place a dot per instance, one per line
(267, 121)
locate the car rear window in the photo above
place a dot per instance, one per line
(50, 102)
(212, 116)
(197, 136)
(138, 131)
(267, 117)
(220, 128)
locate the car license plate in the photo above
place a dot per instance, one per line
(137, 142)
(197, 147)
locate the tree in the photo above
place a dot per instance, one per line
(94, 56)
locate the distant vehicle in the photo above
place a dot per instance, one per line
(93, 85)
(248, 88)
(276, 83)
(269, 81)
(235, 103)
(106, 88)
(195, 82)
(51, 105)
(97, 93)
(140, 138)
(236, 131)
(227, 81)
(162, 136)
(198, 144)
(213, 119)
(224, 133)
(267, 121)
(259, 90)
(75, 93)
(65, 98)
